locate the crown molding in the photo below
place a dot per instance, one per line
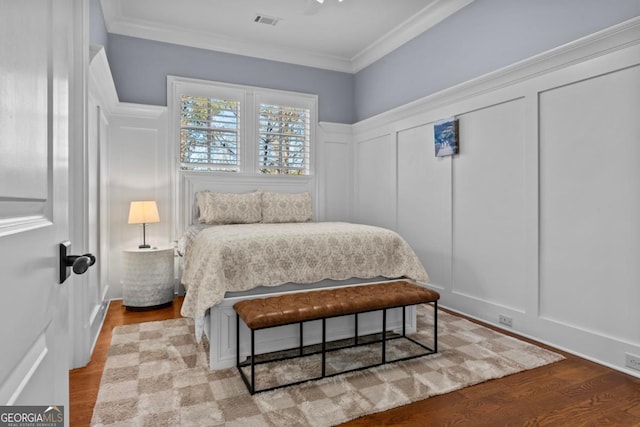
(425, 19)
(428, 17)
(221, 43)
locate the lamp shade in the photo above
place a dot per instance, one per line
(143, 212)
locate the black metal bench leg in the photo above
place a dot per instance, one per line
(253, 362)
(404, 320)
(324, 345)
(356, 329)
(301, 339)
(237, 341)
(250, 386)
(384, 336)
(435, 326)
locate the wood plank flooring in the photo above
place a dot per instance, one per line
(573, 392)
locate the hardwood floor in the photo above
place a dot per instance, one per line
(573, 392)
(85, 382)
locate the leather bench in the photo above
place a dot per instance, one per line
(300, 307)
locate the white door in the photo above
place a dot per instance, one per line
(36, 62)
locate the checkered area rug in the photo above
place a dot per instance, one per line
(157, 375)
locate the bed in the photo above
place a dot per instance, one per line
(271, 245)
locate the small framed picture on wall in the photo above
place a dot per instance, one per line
(445, 136)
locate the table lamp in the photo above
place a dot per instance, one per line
(143, 212)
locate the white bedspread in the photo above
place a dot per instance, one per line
(244, 256)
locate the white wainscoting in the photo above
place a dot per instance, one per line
(590, 205)
(334, 169)
(138, 170)
(424, 201)
(375, 201)
(488, 206)
(538, 217)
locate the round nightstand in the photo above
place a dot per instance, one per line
(147, 278)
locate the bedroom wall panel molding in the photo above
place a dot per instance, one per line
(488, 206)
(533, 219)
(138, 170)
(334, 160)
(604, 119)
(424, 201)
(375, 191)
(141, 111)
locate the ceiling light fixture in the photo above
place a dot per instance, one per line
(322, 1)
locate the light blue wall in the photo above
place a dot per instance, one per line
(482, 37)
(140, 68)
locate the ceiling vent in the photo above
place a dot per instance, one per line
(264, 19)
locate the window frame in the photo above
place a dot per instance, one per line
(250, 98)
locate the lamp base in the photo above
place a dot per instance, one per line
(144, 246)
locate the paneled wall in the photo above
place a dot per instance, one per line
(488, 206)
(138, 161)
(334, 170)
(537, 217)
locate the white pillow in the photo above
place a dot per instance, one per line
(229, 208)
(286, 207)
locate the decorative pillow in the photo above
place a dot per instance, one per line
(229, 208)
(204, 200)
(286, 207)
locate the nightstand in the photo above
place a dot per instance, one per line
(147, 278)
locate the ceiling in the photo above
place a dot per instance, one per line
(342, 36)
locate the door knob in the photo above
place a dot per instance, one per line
(78, 263)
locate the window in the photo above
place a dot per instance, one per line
(209, 133)
(231, 128)
(283, 146)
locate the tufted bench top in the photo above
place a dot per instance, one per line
(302, 306)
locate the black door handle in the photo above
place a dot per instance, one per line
(78, 263)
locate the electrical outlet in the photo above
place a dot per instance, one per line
(632, 361)
(505, 320)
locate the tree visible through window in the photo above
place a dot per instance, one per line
(283, 146)
(209, 133)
